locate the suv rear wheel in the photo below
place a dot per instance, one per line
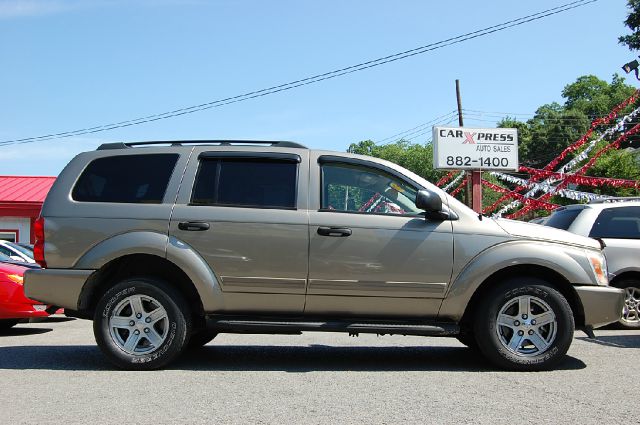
(142, 324)
(524, 324)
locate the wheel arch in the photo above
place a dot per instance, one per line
(626, 275)
(149, 254)
(552, 277)
(138, 265)
(561, 265)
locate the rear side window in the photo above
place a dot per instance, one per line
(133, 179)
(620, 223)
(563, 219)
(246, 182)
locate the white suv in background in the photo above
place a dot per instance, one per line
(616, 222)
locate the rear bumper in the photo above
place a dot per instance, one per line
(602, 304)
(59, 287)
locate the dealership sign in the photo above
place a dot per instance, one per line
(463, 148)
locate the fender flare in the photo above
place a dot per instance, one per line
(568, 261)
(160, 245)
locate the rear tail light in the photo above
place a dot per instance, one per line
(38, 247)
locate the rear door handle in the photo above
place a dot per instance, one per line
(193, 226)
(339, 232)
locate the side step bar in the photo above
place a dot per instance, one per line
(227, 324)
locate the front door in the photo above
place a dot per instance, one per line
(372, 252)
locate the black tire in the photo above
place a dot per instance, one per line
(6, 324)
(631, 310)
(201, 338)
(507, 344)
(149, 339)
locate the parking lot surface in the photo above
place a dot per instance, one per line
(52, 372)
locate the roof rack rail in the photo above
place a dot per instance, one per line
(273, 143)
(615, 199)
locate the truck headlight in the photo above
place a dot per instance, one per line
(599, 267)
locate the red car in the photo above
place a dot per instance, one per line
(13, 304)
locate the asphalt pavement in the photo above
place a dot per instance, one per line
(53, 373)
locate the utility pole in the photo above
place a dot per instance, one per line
(473, 190)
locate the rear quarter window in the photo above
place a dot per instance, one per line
(132, 179)
(618, 223)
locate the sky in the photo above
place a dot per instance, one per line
(72, 64)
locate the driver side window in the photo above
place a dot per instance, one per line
(359, 189)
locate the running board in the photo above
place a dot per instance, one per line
(292, 326)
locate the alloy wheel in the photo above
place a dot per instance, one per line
(526, 326)
(139, 325)
(631, 307)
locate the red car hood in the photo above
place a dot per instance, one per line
(6, 268)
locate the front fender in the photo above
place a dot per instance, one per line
(568, 261)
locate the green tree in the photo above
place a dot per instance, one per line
(595, 97)
(556, 126)
(632, 41)
(617, 164)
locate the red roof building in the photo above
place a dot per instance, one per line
(21, 198)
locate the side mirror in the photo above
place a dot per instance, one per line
(428, 201)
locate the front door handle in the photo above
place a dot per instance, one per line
(340, 232)
(193, 226)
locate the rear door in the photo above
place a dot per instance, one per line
(245, 213)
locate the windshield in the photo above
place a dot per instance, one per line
(25, 250)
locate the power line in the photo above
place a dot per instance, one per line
(567, 120)
(443, 120)
(532, 115)
(415, 129)
(310, 80)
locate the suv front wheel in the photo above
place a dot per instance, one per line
(524, 324)
(142, 324)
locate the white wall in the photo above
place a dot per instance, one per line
(22, 224)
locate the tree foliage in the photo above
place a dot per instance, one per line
(632, 41)
(555, 126)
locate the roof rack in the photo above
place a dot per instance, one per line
(615, 199)
(273, 143)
